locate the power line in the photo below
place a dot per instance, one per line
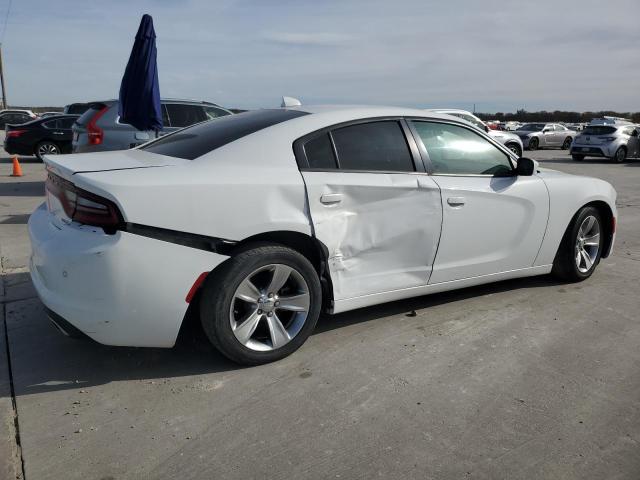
(4, 26)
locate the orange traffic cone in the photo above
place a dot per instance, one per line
(17, 169)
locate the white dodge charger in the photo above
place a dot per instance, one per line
(266, 218)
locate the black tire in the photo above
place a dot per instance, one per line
(578, 158)
(218, 295)
(567, 143)
(565, 265)
(515, 148)
(534, 143)
(620, 155)
(46, 147)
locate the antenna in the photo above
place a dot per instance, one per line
(290, 102)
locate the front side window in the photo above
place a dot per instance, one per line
(457, 150)
(376, 146)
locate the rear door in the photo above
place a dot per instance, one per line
(493, 221)
(372, 205)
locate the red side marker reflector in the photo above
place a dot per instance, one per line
(196, 285)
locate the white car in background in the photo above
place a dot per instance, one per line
(265, 218)
(509, 140)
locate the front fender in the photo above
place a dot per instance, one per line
(567, 195)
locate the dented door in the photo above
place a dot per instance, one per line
(381, 229)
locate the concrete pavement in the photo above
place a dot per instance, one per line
(521, 379)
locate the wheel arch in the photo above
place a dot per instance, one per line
(608, 224)
(309, 247)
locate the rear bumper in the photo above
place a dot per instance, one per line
(13, 148)
(120, 289)
(593, 151)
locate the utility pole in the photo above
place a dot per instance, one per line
(4, 92)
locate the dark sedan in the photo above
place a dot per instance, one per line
(44, 136)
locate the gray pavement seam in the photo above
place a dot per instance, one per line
(18, 458)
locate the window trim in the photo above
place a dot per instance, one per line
(427, 161)
(303, 162)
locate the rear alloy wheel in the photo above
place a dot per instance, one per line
(578, 158)
(261, 305)
(581, 247)
(533, 143)
(567, 143)
(515, 148)
(621, 155)
(46, 148)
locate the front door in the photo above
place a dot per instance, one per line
(377, 216)
(493, 221)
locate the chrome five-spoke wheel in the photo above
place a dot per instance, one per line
(269, 307)
(587, 243)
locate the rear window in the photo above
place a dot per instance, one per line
(86, 117)
(193, 142)
(599, 130)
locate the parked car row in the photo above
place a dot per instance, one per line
(94, 126)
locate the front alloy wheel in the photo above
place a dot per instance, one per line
(533, 143)
(587, 244)
(515, 148)
(581, 247)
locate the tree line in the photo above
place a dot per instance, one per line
(557, 116)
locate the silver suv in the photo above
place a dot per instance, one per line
(617, 142)
(508, 139)
(99, 128)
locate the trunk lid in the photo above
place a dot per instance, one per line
(68, 165)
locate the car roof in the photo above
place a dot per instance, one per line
(367, 111)
(112, 101)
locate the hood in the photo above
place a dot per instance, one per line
(68, 165)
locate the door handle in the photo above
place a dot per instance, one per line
(331, 198)
(456, 201)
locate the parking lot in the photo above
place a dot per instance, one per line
(521, 379)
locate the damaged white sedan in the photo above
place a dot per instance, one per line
(267, 218)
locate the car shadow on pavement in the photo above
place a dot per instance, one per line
(22, 189)
(44, 360)
(411, 305)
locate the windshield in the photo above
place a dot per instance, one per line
(598, 130)
(532, 127)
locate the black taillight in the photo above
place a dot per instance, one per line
(84, 207)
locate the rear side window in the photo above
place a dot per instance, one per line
(65, 123)
(319, 152)
(193, 142)
(185, 115)
(86, 117)
(377, 146)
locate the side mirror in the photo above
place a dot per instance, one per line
(525, 167)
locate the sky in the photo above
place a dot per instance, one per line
(499, 55)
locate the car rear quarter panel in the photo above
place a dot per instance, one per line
(241, 191)
(567, 195)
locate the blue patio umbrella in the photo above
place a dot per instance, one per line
(139, 101)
